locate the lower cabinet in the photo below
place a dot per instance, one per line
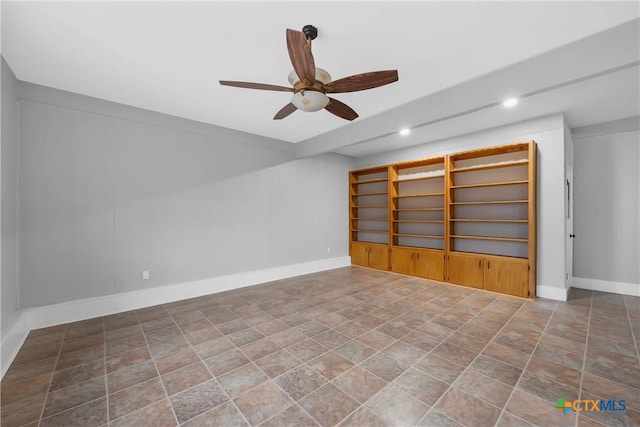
(498, 274)
(424, 263)
(370, 255)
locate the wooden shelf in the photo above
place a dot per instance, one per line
(380, 193)
(522, 221)
(419, 210)
(370, 206)
(491, 184)
(423, 236)
(425, 178)
(419, 221)
(362, 230)
(370, 219)
(491, 202)
(492, 166)
(418, 195)
(370, 181)
(499, 239)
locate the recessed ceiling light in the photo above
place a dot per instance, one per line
(405, 131)
(511, 102)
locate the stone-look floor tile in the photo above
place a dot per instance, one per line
(383, 366)
(484, 388)
(271, 327)
(277, 363)
(355, 351)
(242, 379)
(363, 417)
(129, 343)
(151, 313)
(509, 420)
(437, 419)
(615, 366)
(93, 413)
(203, 335)
(157, 324)
(405, 354)
(245, 336)
(440, 368)
(628, 417)
(421, 341)
(461, 340)
(562, 357)
(397, 407)
(224, 415)
(466, 409)
(77, 394)
(375, 339)
(328, 405)
(359, 383)
(188, 316)
(331, 338)
(77, 331)
(176, 361)
(294, 319)
(80, 357)
(287, 338)
(330, 365)
(128, 358)
(567, 329)
(607, 389)
(186, 377)
(614, 344)
(17, 391)
(554, 372)
(300, 381)
(563, 344)
(69, 345)
(158, 414)
(497, 370)
(225, 362)
(583, 421)
(29, 370)
(213, 347)
(478, 332)
(77, 374)
(547, 389)
(293, 416)
(22, 412)
(195, 325)
(262, 402)
(518, 338)
(435, 330)
(307, 349)
(120, 320)
(165, 348)
(122, 333)
(233, 326)
(393, 330)
(158, 336)
(259, 349)
(197, 400)
(422, 386)
(49, 331)
(132, 375)
(537, 411)
(311, 328)
(135, 397)
(460, 355)
(506, 354)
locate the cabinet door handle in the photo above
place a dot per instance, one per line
(480, 263)
(417, 256)
(488, 265)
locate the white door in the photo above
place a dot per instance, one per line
(569, 226)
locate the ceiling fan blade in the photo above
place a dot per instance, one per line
(362, 81)
(249, 85)
(301, 56)
(341, 109)
(285, 111)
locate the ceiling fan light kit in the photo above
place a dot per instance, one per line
(311, 84)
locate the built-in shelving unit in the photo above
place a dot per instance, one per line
(467, 218)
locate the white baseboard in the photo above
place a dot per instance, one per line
(623, 288)
(550, 292)
(73, 311)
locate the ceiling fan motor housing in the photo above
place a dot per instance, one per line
(310, 31)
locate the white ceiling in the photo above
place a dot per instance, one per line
(169, 56)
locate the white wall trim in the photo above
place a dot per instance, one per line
(73, 311)
(623, 288)
(550, 292)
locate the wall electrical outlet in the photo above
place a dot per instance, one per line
(145, 275)
(328, 250)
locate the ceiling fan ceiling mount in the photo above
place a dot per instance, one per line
(311, 84)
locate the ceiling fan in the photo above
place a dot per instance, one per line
(311, 85)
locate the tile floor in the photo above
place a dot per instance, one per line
(353, 346)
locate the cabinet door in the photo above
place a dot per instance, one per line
(360, 254)
(508, 276)
(466, 270)
(402, 260)
(379, 257)
(429, 264)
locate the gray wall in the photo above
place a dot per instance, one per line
(548, 132)
(9, 215)
(107, 191)
(606, 203)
